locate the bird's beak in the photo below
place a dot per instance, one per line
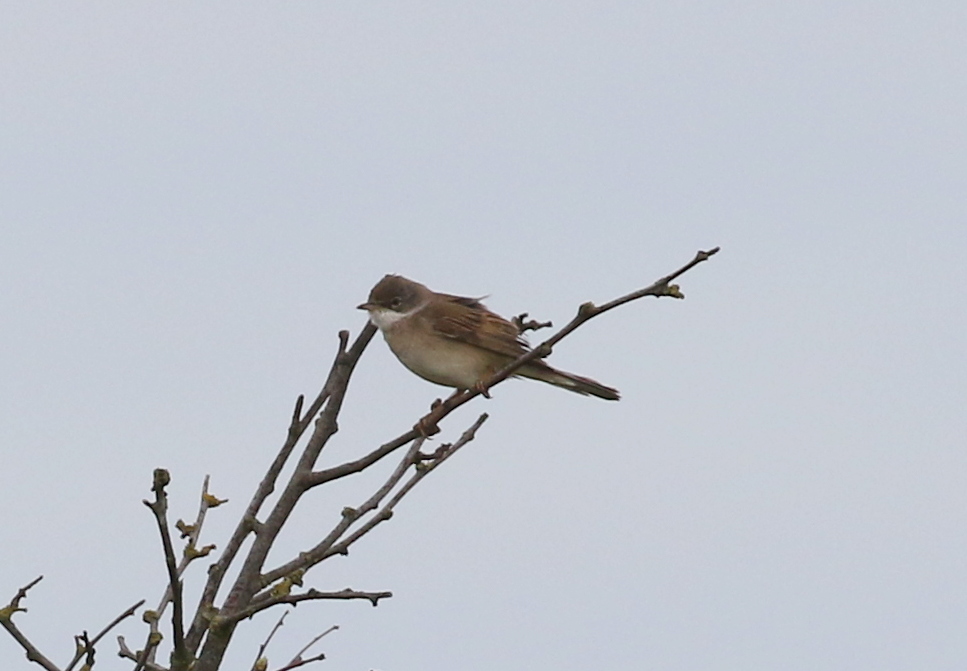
(365, 306)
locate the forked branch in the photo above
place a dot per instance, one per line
(337, 542)
(6, 621)
(84, 645)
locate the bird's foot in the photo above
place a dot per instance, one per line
(482, 389)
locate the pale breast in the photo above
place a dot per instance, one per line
(441, 360)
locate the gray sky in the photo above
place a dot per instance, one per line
(194, 197)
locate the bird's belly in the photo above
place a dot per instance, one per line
(447, 362)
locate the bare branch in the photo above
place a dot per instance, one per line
(312, 595)
(443, 453)
(531, 325)
(159, 507)
(296, 663)
(305, 649)
(192, 532)
(217, 627)
(331, 544)
(88, 645)
(662, 287)
(6, 621)
(349, 516)
(85, 649)
(298, 660)
(297, 411)
(140, 658)
(265, 644)
(191, 552)
(249, 522)
(351, 467)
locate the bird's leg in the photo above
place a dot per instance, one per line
(481, 389)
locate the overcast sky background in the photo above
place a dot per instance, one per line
(194, 197)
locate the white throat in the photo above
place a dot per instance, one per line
(384, 318)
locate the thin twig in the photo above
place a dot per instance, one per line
(529, 325)
(268, 639)
(192, 532)
(6, 621)
(386, 512)
(140, 659)
(144, 659)
(295, 664)
(305, 649)
(86, 647)
(189, 554)
(352, 467)
(159, 507)
(332, 545)
(347, 594)
(82, 650)
(349, 517)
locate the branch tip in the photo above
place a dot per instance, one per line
(297, 412)
(161, 480)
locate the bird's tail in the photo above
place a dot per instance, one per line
(582, 385)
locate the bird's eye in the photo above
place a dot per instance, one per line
(396, 302)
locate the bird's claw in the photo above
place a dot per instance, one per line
(482, 389)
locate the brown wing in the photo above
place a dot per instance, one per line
(467, 320)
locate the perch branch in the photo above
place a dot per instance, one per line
(586, 311)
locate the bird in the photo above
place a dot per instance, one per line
(457, 342)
